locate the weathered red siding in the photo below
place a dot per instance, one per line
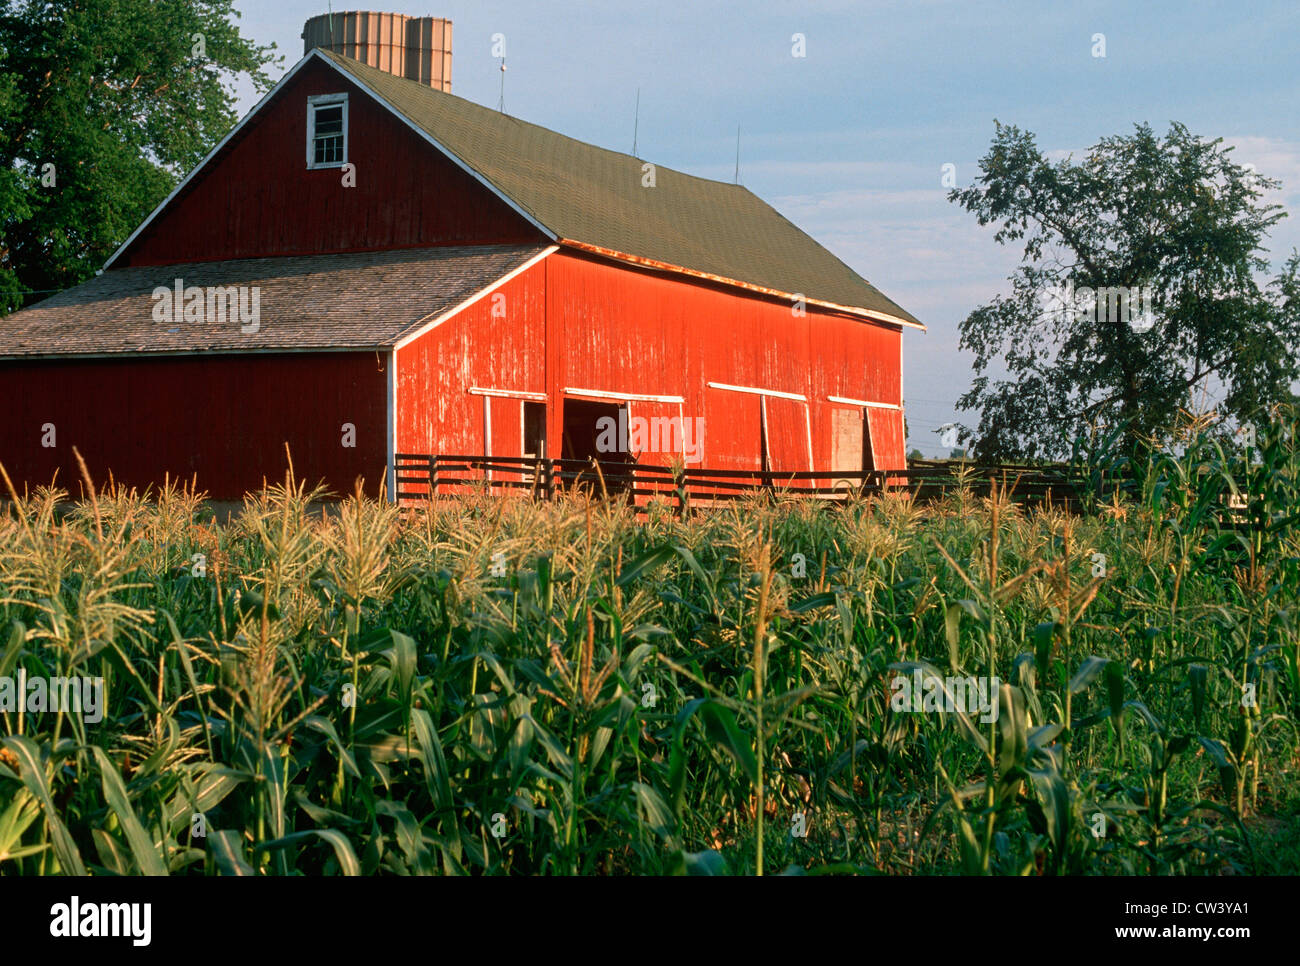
(258, 198)
(222, 419)
(436, 413)
(573, 321)
(630, 330)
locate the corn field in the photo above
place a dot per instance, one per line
(496, 686)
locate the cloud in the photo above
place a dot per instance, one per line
(1273, 158)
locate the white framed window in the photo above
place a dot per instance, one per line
(327, 130)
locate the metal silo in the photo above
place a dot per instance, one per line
(417, 48)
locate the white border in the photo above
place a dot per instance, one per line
(844, 400)
(901, 397)
(325, 100)
(807, 422)
(391, 471)
(622, 396)
(487, 433)
(759, 392)
(871, 438)
(508, 393)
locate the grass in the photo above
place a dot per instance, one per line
(359, 693)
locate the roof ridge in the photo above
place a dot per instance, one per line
(351, 63)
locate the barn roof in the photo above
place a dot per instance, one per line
(593, 198)
(355, 300)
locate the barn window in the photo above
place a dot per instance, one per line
(327, 130)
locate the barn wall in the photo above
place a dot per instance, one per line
(576, 322)
(496, 343)
(636, 331)
(258, 198)
(224, 419)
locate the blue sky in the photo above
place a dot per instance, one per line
(849, 141)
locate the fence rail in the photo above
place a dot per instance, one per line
(423, 476)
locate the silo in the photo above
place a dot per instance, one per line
(417, 48)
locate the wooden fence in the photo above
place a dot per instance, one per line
(422, 476)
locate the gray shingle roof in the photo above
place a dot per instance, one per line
(356, 300)
(594, 196)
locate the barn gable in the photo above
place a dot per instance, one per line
(479, 176)
(254, 196)
(613, 205)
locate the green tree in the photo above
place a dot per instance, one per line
(104, 105)
(1175, 218)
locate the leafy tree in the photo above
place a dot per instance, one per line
(104, 105)
(1175, 217)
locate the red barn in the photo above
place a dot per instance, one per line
(367, 265)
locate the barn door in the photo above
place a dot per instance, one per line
(886, 433)
(586, 423)
(735, 421)
(505, 435)
(785, 438)
(533, 419)
(513, 427)
(534, 430)
(597, 430)
(850, 446)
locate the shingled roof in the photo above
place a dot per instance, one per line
(592, 197)
(356, 300)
